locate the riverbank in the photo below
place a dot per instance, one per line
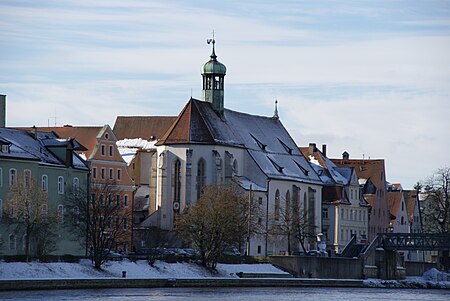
(43, 284)
(140, 274)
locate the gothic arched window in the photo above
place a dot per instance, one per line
(288, 204)
(176, 183)
(277, 205)
(201, 176)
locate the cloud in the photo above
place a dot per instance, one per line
(367, 77)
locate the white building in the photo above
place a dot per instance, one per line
(208, 144)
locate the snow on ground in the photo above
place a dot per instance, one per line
(138, 269)
(430, 279)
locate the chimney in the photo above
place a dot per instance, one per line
(311, 148)
(345, 156)
(2, 111)
(69, 152)
(324, 149)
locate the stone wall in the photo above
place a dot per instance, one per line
(320, 267)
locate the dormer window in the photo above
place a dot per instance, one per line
(304, 170)
(5, 148)
(261, 145)
(276, 165)
(287, 148)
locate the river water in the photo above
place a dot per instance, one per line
(230, 294)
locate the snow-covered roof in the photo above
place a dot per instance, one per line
(25, 146)
(128, 148)
(247, 184)
(265, 139)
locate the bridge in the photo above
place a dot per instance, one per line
(414, 241)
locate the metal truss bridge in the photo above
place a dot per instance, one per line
(414, 241)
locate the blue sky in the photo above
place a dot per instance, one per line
(368, 77)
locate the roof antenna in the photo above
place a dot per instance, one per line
(275, 113)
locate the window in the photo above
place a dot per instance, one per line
(76, 215)
(125, 223)
(12, 176)
(12, 242)
(125, 200)
(103, 173)
(118, 201)
(325, 213)
(259, 249)
(235, 167)
(200, 177)
(24, 242)
(76, 185)
(5, 148)
(260, 201)
(44, 210)
(1, 177)
(111, 151)
(61, 185)
(27, 178)
(288, 204)
(111, 174)
(60, 214)
(103, 147)
(119, 174)
(110, 199)
(102, 200)
(44, 182)
(277, 205)
(403, 206)
(176, 181)
(94, 172)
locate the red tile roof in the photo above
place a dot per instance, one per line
(394, 200)
(142, 126)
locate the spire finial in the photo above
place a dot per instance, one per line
(213, 41)
(275, 112)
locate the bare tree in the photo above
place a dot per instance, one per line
(437, 208)
(219, 219)
(304, 229)
(102, 219)
(27, 206)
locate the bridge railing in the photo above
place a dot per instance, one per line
(415, 241)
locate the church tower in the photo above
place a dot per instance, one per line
(213, 73)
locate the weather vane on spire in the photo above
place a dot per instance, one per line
(213, 41)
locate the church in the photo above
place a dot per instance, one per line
(208, 144)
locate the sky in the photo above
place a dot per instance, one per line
(368, 77)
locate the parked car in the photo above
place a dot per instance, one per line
(317, 253)
(231, 251)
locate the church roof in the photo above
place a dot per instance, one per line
(265, 138)
(142, 126)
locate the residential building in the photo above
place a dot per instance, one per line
(415, 221)
(58, 172)
(110, 181)
(137, 137)
(344, 211)
(372, 177)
